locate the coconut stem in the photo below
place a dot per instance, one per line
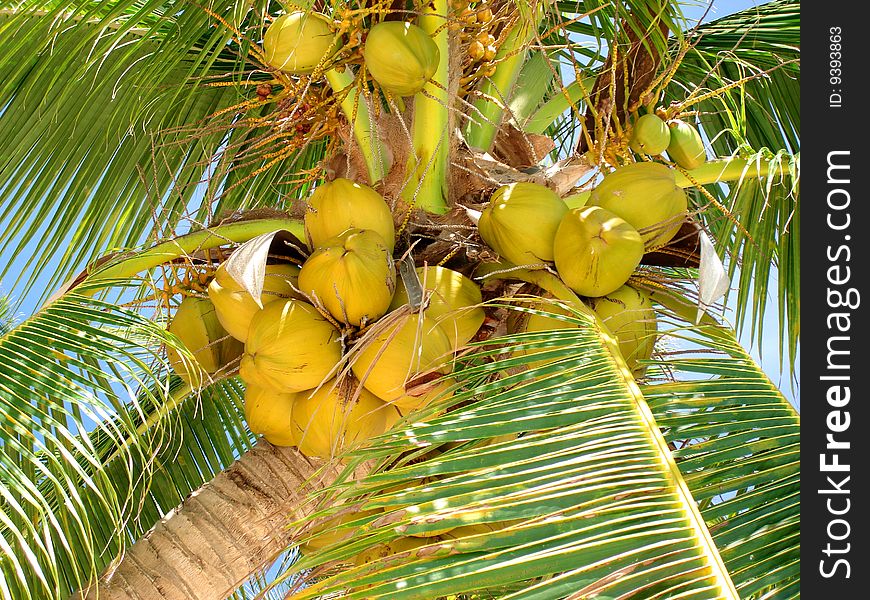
(426, 172)
(356, 109)
(496, 90)
(714, 171)
(184, 245)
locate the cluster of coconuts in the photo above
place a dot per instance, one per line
(400, 56)
(652, 135)
(318, 321)
(594, 248)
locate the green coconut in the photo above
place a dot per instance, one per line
(596, 251)
(686, 147)
(650, 135)
(647, 196)
(628, 314)
(299, 41)
(400, 56)
(520, 222)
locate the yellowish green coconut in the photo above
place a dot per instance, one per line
(520, 222)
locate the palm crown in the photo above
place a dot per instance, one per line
(148, 144)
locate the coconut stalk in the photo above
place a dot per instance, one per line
(96, 278)
(355, 107)
(714, 171)
(426, 172)
(496, 91)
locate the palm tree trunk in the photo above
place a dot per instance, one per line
(220, 534)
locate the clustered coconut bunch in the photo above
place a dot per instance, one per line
(594, 248)
(336, 349)
(332, 353)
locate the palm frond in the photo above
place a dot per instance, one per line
(578, 486)
(736, 440)
(742, 75)
(6, 315)
(120, 123)
(90, 455)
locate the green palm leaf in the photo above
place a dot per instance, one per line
(90, 454)
(737, 443)
(751, 61)
(125, 90)
(589, 486)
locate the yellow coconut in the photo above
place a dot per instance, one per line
(290, 348)
(235, 307)
(401, 352)
(454, 302)
(647, 196)
(520, 222)
(352, 276)
(400, 56)
(596, 251)
(269, 413)
(342, 204)
(329, 420)
(196, 325)
(404, 547)
(629, 315)
(330, 531)
(484, 529)
(299, 41)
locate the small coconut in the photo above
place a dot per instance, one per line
(650, 135)
(299, 41)
(686, 148)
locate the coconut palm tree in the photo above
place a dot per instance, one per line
(147, 141)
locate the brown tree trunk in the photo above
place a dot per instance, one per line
(220, 534)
